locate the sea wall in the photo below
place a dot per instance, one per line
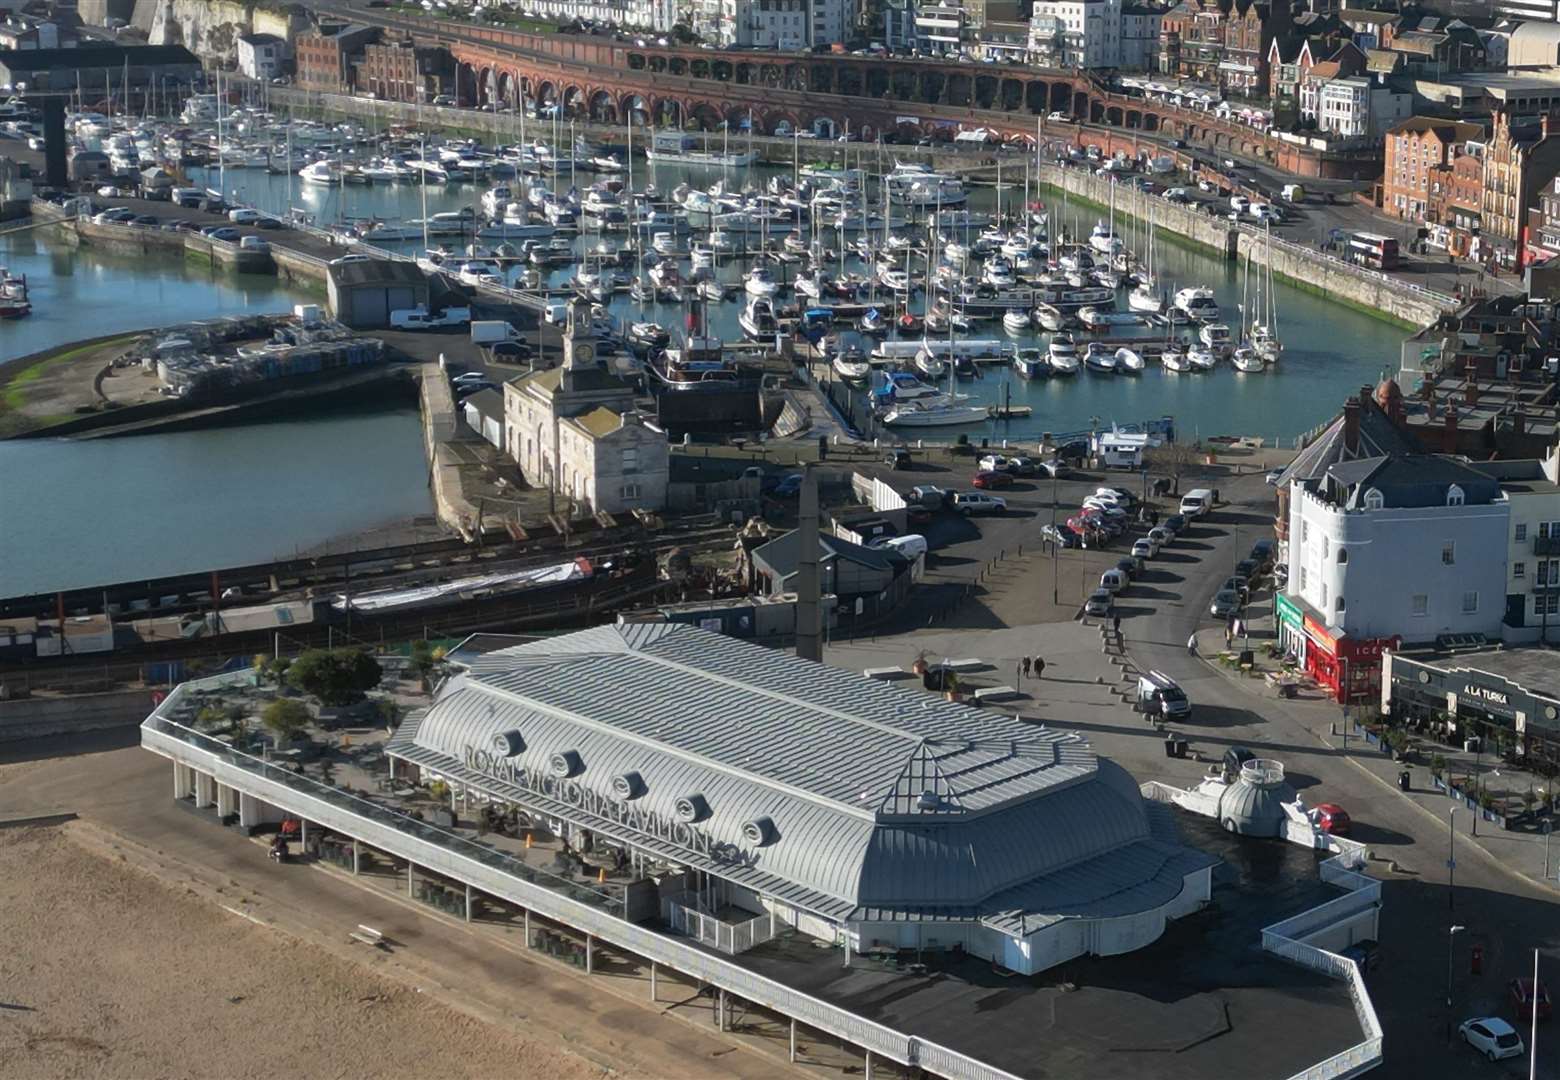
(441, 424)
(1373, 292)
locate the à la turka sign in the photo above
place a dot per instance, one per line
(1484, 693)
(622, 812)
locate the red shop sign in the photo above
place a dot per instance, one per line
(1318, 634)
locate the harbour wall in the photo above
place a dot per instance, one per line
(441, 424)
(1368, 290)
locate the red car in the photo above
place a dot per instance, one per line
(993, 479)
(1524, 1000)
(1332, 818)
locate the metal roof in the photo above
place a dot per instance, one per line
(877, 798)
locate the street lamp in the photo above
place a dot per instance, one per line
(1451, 935)
(1451, 861)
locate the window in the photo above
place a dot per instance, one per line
(631, 460)
(1454, 496)
(1303, 577)
(1338, 605)
(1470, 602)
(1546, 604)
(1519, 569)
(1343, 555)
(1419, 604)
(1373, 499)
(1449, 553)
(1522, 532)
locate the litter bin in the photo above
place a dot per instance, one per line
(1403, 779)
(1180, 748)
(1170, 747)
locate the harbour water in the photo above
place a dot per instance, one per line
(1330, 350)
(82, 513)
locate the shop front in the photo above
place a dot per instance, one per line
(1460, 702)
(1349, 667)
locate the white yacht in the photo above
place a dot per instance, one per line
(1129, 361)
(496, 199)
(998, 273)
(1247, 359)
(320, 172)
(1216, 336)
(1030, 363)
(1144, 299)
(758, 318)
(1062, 355)
(932, 367)
(893, 277)
(1197, 303)
(852, 366)
(1016, 321)
(938, 414)
(1201, 358)
(1173, 358)
(761, 281)
(680, 148)
(1097, 359)
(1049, 318)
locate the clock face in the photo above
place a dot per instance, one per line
(584, 354)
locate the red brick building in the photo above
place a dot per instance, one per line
(1221, 43)
(324, 59)
(403, 71)
(1420, 153)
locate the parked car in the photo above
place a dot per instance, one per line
(1061, 534)
(1176, 523)
(1023, 466)
(993, 478)
(1161, 536)
(1247, 569)
(343, 260)
(978, 502)
(1099, 602)
(1225, 603)
(1525, 1000)
(911, 545)
(1237, 585)
(1273, 475)
(1332, 819)
(1262, 552)
(225, 233)
(1131, 565)
(266, 222)
(1114, 580)
(992, 462)
(897, 458)
(788, 488)
(1145, 548)
(255, 244)
(243, 215)
(1492, 1037)
(144, 219)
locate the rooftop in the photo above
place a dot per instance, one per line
(377, 272)
(1533, 669)
(95, 56)
(1409, 480)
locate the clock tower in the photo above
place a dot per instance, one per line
(579, 345)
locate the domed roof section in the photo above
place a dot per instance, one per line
(1254, 804)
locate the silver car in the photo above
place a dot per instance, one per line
(1098, 603)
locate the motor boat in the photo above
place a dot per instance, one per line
(710, 289)
(1098, 360)
(760, 281)
(320, 172)
(872, 323)
(1062, 355)
(758, 318)
(1106, 278)
(1103, 240)
(1016, 321)
(893, 277)
(1216, 336)
(931, 367)
(1267, 345)
(1129, 361)
(998, 273)
(1030, 363)
(1173, 358)
(908, 323)
(851, 365)
(1198, 303)
(1049, 318)
(1247, 359)
(1201, 358)
(647, 336)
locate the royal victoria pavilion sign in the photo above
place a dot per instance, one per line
(557, 783)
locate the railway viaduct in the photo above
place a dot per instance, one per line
(606, 80)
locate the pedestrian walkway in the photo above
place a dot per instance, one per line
(1524, 849)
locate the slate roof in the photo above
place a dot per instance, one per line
(884, 802)
(1409, 480)
(1378, 436)
(783, 553)
(95, 56)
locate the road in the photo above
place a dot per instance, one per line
(1503, 912)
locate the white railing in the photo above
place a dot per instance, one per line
(1281, 939)
(730, 938)
(585, 909)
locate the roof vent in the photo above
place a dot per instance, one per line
(759, 831)
(928, 800)
(692, 808)
(509, 743)
(627, 786)
(565, 763)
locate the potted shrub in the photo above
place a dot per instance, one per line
(951, 686)
(1529, 800)
(918, 665)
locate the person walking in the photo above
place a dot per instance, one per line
(1026, 667)
(1039, 666)
(1191, 644)
(1115, 627)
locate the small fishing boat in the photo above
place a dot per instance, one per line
(1097, 359)
(872, 323)
(1062, 355)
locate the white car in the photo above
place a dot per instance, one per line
(912, 545)
(418, 318)
(243, 216)
(345, 259)
(993, 463)
(1099, 602)
(978, 502)
(1145, 549)
(1492, 1037)
(1059, 118)
(1107, 509)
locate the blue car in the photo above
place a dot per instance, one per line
(788, 488)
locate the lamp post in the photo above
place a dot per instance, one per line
(1451, 935)
(1451, 861)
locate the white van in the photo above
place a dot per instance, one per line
(1240, 203)
(556, 314)
(1194, 504)
(1113, 580)
(912, 545)
(1159, 695)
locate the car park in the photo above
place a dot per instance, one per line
(1332, 819)
(993, 478)
(1225, 603)
(1099, 602)
(1492, 1037)
(1145, 548)
(1526, 999)
(978, 502)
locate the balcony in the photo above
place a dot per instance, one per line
(1546, 545)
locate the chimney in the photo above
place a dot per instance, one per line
(1449, 430)
(1471, 390)
(1519, 421)
(1351, 426)
(1367, 395)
